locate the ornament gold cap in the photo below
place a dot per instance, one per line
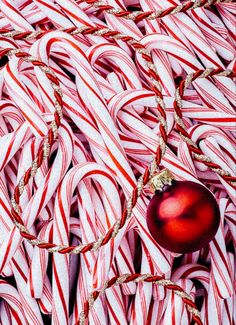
(158, 181)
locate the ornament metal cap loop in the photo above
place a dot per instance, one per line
(158, 181)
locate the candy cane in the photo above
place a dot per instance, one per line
(217, 41)
(9, 10)
(150, 15)
(180, 126)
(133, 120)
(10, 294)
(160, 150)
(136, 278)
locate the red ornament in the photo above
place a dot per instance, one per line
(182, 217)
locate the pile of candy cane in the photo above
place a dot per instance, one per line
(94, 97)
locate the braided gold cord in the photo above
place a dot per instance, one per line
(136, 278)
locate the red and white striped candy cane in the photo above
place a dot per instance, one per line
(115, 67)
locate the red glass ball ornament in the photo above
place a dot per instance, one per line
(183, 217)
